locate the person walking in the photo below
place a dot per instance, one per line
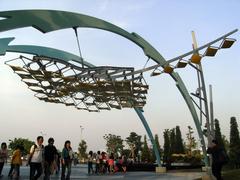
(67, 156)
(3, 156)
(36, 159)
(50, 156)
(58, 162)
(98, 162)
(124, 163)
(90, 163)
(111, 163)
(11, 170)
(16, 162)
(219, 158)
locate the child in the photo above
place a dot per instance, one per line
(16, 161)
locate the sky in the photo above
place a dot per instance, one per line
(167, 26)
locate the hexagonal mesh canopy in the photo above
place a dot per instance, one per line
(91, 89)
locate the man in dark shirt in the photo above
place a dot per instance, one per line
(217, 163)
(50, 153)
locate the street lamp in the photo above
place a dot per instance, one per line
(81, 129)
(43, 134)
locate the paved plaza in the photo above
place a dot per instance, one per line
(80, 172)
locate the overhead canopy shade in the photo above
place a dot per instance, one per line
(104, 108)
(211, 51)
(115, 106)
(79, 108)
(140, 85)
(70, 79)
(51, 74)
(196, 58)
(17, 68)
(48, 87)
(69, 104)
(227, 43)
(32, 84)
(99, 90)
(38, 91)
(181, 64)
(155, 73)
(35, 72)
(25, 76)
(168, 69)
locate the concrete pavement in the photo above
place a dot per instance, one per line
(80, 172)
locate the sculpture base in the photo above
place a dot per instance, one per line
(207, 175)
(161, 170)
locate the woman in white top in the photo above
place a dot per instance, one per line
(36, 159)
(90, 162)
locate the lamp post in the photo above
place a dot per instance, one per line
(202, 87)
(81, 129)
(43, 134)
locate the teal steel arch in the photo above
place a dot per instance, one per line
(49, 20)
(40, 51)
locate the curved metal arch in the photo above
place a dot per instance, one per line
(40, 51)
(49, 20)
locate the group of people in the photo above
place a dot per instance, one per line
(106, 163)
(47, 160)
(42, 159)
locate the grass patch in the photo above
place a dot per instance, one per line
(229, 175)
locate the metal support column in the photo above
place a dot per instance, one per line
(211, 112)
(182, 88)
(150, 135)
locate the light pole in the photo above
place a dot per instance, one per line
(211, 111)
(81, 129)
(43, 134)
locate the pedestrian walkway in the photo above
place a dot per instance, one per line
(80, 172)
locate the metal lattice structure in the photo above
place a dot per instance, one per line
(90, 89)
(51, 75)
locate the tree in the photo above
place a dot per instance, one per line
(191, 141)
(218, 134)
(22, 142)
(134, 143)
(166, 148)
(126, 152)
(226, 143)
(114, 143)
(146, 155)
(172, 141)
(179, 141)
(82, 150)
(234, 147)
(153, 156)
